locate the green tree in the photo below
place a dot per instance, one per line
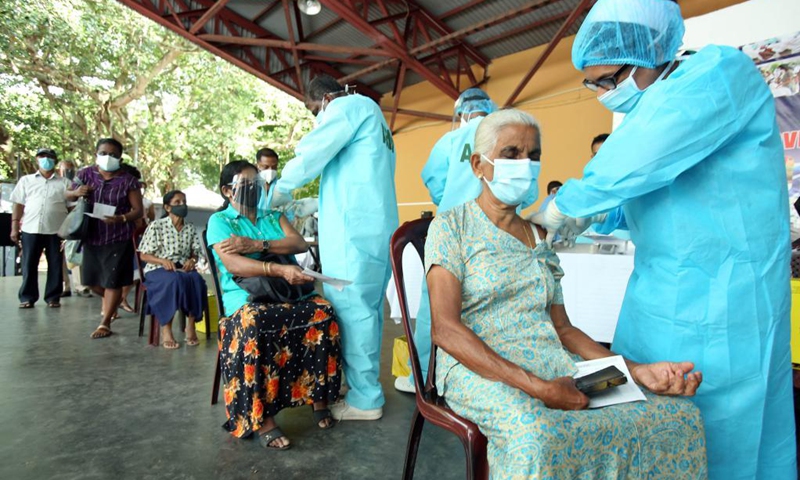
(73, 71)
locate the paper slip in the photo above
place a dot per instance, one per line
(629, 392)
(336, 283)
(101, 211)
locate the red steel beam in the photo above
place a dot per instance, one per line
(295, 55)
(460, 9)
(417, 113)
(400, 51)
(285, 44)
(208, 15)
(573, 17)
(263, 13)
(147, 9)
(521, 29)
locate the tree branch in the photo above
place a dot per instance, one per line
(139, 87)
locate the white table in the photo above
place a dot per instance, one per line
(594, 285)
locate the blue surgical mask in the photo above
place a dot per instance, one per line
(514, 181)
(624, 98)
(46, 163)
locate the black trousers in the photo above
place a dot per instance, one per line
(32, 246)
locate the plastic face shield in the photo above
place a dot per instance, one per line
(246, 192)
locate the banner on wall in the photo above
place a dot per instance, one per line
(779, 61)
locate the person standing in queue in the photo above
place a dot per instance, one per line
(352, 149)
(697, 168)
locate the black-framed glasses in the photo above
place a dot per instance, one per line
(608, 83)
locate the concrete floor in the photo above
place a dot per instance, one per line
(76, 408)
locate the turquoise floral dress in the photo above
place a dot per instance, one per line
(507, 290)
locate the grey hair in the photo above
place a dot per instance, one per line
(490, 127)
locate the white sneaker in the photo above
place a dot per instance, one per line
(404, 384)
(341, 410)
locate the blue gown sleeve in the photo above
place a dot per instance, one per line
(678, 123)
(434, 173)
(615, 220)
(317, 148)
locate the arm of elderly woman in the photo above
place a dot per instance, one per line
(241, 266)
(291, 244)
(455, 338)
(663, 378)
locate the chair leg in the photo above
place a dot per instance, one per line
(140, 306)
(217, 378)
(414, 436)
(477, 463)
(207, 318)
(136, 296)
(154, 331)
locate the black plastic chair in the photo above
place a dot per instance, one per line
(429, 405)
(212, 265)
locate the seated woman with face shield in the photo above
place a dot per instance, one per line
(171, 249)
(280, 342)
(508, 352)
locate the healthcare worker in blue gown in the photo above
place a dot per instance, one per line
(352, 148)
(697, 167)
(449, 179)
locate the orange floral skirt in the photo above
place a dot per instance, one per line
(276, 356)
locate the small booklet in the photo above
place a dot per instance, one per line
(624, 393)
(336, 283)
(101, 211)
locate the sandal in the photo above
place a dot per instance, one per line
(101, 332)
(170, 344)
(126, 307)
(54, 305)
(192, 342)
(321, 415)
(26, 305)
(266, 438)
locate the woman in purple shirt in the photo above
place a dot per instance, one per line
(108, 250)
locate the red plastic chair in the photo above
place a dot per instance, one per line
(212, 265)
(430, 406)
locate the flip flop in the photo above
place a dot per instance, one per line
(54, 305)
(105, 332)
(192, 342)
(26, 305)
(323, 414)
(126, 307)
(266, 438)
(176, 344)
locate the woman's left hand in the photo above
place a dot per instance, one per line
(668, 378)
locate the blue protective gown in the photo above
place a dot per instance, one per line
(698, 166)
(352, 149)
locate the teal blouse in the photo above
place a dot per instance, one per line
(229, 222)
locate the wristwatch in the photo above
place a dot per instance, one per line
(265, 246)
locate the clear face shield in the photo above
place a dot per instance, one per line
(246, 194)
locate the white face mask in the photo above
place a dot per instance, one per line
(268, 175)
(514, 181)
(107, 163)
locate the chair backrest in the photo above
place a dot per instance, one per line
(212, 265)
(414, 232)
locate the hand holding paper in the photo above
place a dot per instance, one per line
(101, 211)
(336, 283)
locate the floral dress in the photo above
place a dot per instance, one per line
(507, 290)
(273, 356)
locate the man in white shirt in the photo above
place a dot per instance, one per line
(40, 207)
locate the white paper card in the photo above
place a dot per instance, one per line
(628, 392)
(336, 283)
(101, 211)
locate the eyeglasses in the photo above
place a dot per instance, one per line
(608, 83)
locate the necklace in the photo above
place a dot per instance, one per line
(527, 236)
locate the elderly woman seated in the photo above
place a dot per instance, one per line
(171, 249)
(509, 350)
(280, 348)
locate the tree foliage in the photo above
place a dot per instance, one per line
(74, 71)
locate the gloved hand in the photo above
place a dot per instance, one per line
(276, 198)
(551, 219)
(575, 226)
